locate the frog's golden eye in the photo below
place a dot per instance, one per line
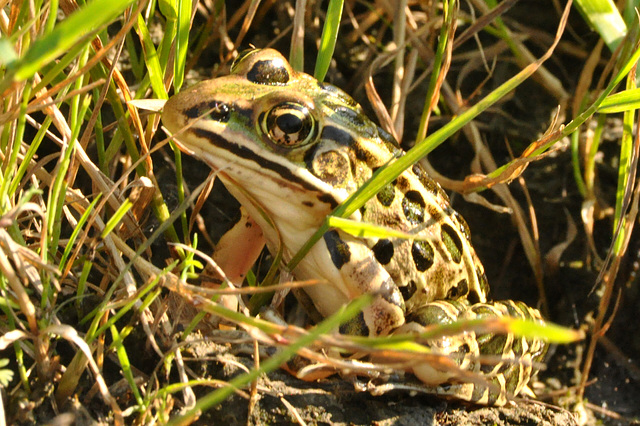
(289, 124)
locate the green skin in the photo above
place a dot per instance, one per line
(291, 149)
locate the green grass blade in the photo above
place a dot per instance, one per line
(125, 364)
(550, 332)
(182, 42)
(621, 102)
(80, 25)
(603, 17)
(368, 230)
(624, 169)
(116, 218)
(151, 60)
(14, 150)
(328, 39)
(448, 13)
(76, 232)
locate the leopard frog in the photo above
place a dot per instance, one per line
(291, 149)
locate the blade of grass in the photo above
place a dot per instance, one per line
(116, 218)
(77, 27)
(151, 60)
(13, 151)
(125, 365)
(620, 102)
(369, 230)
(182, 42)
(444, 42)
(76, 232)
(603, 16)
(328, 38)
(624, 168)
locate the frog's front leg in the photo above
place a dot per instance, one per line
(236, 252)
(351, 270)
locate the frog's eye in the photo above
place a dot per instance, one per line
(289, 124)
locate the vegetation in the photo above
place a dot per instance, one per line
(101, 230)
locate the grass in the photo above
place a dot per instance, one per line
(95, 254)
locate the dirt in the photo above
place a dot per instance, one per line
(283, 399)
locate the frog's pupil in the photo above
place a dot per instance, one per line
(289, 123)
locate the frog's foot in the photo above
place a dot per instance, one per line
(492, 364)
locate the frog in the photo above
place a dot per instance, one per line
(291, 149)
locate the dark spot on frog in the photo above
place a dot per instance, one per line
(480, 390)
(355, 326)
(345, 139)
(462, 225)
(516, 346)
(387, 194)
(331, 167)
(451, 241)
(491, 344)
(308, 203)
(268, 72)
(473, 298)
(408, 290)
(215, 110)
(422, 254)
(403, 183)
(328, 199)
(413, 207)
(430, 314)
(464, 349)
(460, 353)
(338, 249)
(512, 310)
(435, 214)
(460, 290)
(513, 378)
(429, 184)
(483, 281)
(383, 251)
